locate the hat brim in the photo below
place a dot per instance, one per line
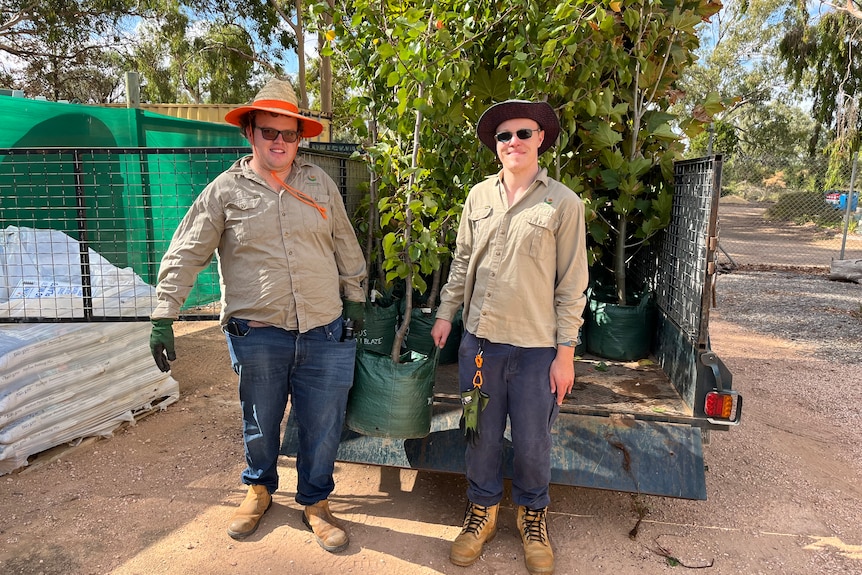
(541, 112)
(310, 126)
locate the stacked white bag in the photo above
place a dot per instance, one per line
(62, 382)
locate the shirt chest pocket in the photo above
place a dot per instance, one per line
(244, 216)
(312, 218)
(537, 235)
(480, 222)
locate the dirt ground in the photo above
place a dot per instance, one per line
(784, 494)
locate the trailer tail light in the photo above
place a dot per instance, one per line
(723, 407)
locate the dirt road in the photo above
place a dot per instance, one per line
(746, 239)
(783, 487)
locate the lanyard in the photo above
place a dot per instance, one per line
(302, 197)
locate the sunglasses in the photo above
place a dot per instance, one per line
(523, 134)
(289, 136)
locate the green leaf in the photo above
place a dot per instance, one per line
(604, 136)
(491, 86)
(388, 242)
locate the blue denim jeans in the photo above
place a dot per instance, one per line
(313, 369)
(517, 379)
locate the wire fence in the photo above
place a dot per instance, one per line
(82, 230)
(774, 214)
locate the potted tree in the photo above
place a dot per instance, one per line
(621, 155)
(401, 57)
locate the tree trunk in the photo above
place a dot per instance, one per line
(620, 261)
(299, 31)
(847, 270)
(326, 68)
(408, 220)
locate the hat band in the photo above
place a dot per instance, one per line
(276, 104)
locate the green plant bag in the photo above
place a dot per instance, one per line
(621, 332)
(378, 328)
(392, 399)
(419, 335)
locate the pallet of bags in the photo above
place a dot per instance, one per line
(60, 383)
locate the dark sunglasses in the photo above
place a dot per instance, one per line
(289, 136)
(523, 134)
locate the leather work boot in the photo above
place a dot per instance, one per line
(480, 526)
(247, 517)
(327, 530)
(533, 527)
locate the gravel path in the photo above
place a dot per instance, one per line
(809, 309)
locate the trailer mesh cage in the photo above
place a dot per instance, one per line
(679, 264)
(84, 229)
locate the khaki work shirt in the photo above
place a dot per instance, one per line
(520, 270)
(280, 262)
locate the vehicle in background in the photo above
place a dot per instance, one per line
(838, 199)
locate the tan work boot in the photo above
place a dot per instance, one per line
(247, 517)
(327, 530)
(480, 526)
(533, 527)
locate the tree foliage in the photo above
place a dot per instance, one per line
(61, 46)
(185, 50)
(824, 57)
(425, 72)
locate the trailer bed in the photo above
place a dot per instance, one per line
(623, 428)
(638, 389)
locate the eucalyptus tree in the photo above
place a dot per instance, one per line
(56, 48)
(822, 55)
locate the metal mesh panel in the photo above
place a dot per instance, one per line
(84, 230)
(686, 253)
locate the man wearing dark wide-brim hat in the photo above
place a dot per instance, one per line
(287, 256)
(520, 271)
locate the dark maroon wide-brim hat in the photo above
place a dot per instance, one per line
(541, 112)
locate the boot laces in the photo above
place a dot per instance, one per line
(477, 517)
(535, 528)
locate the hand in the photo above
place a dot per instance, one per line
(354, 310)
(440, 332)
(563, 373)
(162, 343)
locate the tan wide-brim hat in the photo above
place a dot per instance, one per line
(541, 112)
(278, 97)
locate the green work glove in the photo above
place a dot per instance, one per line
(473, 402)
(162, 343)
(354, 310)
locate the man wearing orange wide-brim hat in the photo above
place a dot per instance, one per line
(291, 272)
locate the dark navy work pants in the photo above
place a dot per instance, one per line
(517, 380)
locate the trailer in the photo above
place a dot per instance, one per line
(636, 427)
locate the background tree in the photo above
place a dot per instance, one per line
(822, 55)
(56, 48)
(764, 129)
(185, 50)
